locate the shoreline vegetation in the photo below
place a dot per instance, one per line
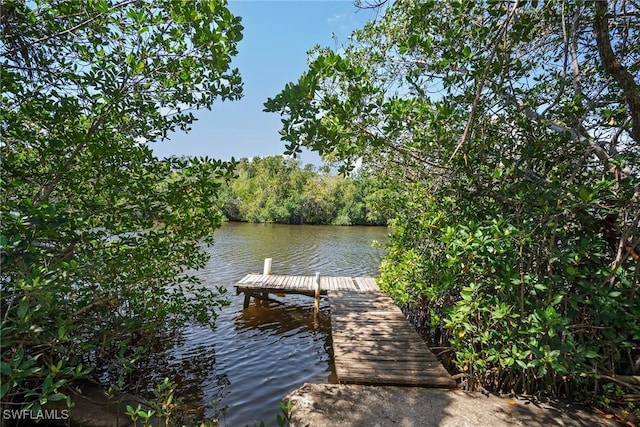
(277, 189)
(89, 282)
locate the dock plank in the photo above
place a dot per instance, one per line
(373, 343)
(326, 283)
(342, 283)
(293, 282)
(367, 284)
(280, 282)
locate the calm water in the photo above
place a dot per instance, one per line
(257, 356)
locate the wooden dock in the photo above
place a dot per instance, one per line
(260, 285)
(373, 342)
(274, 283)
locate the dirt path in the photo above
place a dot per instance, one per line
(318, 405)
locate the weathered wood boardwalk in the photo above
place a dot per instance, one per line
(373, 343)
(260, 285)
(274, 283)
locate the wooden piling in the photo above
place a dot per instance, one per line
(266, 271)
(247, 299)
(317, 294)
(267, 266)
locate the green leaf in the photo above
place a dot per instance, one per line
(584, 194)
(5, 369)
(591, 354)
(557, 299)
(102, 6)
(550, 312)
(56, 397)
(23, 309)
(17, 357)
(5, 386)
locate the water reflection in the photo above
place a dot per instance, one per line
(257, 356)
(188, 363)
(284, 319)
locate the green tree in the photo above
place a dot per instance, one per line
(98, 235)
(266, 189)
(322, 200)
(509, 132)
(277, 189)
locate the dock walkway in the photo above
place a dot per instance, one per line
(274, 283)
(373, 343)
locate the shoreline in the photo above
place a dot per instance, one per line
(386, 406)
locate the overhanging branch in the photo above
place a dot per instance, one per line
(613, 66)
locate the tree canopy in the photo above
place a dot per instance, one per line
(276, 189)
(511, 133)
(98, 235)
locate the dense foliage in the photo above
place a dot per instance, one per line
(510, 132)
(276, 189)
(97, 234)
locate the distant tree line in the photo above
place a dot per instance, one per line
(278, 189)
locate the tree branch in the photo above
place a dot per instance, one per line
(575, 135)
(614, 67)
(68, 30)
(482, 82)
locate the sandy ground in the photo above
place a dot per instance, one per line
(319, 405)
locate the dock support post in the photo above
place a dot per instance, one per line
(317, 294)
(247, 299)
(266, 271)
(267, 266)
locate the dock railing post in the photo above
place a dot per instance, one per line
(266, 271)
(267, 266)
(317, 294)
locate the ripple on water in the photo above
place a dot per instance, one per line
(257, 356)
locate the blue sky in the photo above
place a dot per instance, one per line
(277, 35)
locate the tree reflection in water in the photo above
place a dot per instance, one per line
(191, 366)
